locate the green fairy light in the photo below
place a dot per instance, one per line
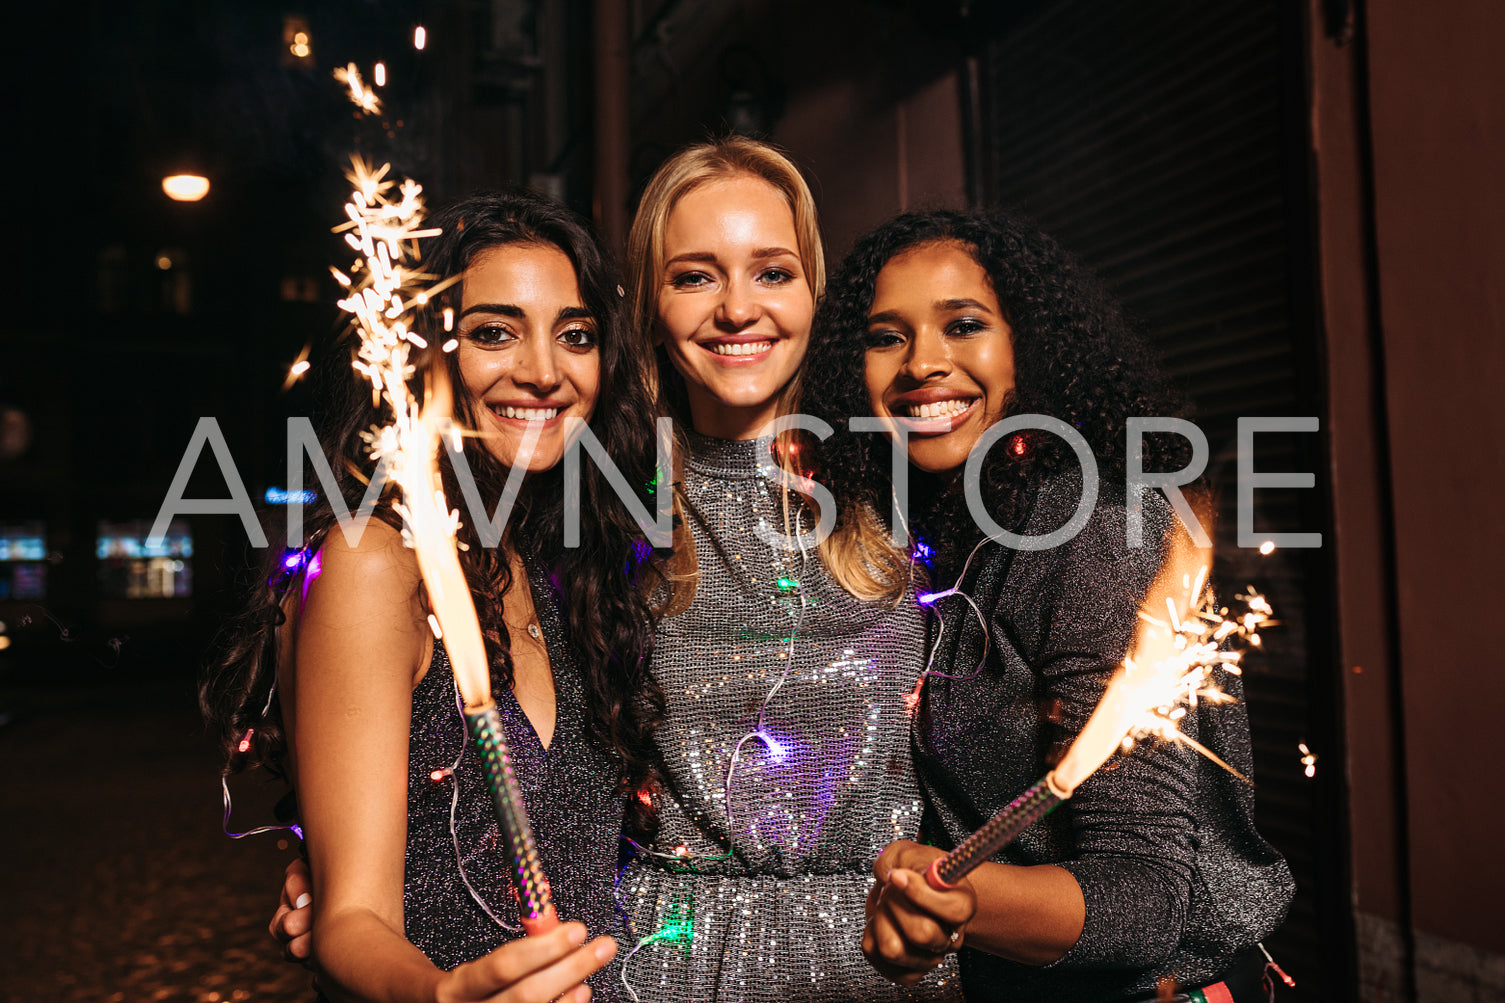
(787, 584)
(678, 928)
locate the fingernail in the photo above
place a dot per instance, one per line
(302, 900)
(606, 948)
(899, 877)
(576, 934)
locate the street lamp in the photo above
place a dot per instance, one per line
(185, 187)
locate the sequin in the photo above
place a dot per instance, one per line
(780, 818)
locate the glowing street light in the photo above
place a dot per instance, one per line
(185, 187)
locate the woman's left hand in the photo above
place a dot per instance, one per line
(911, 926)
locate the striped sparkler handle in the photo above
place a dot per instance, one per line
(998, 832)
(535, 904)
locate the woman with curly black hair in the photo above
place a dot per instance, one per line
(943, 325)
(334, 676)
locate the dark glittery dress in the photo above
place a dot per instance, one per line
(1176, 879)
(778, 830)
(571, 793)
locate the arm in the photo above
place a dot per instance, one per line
(361, 640)
(1072, 614)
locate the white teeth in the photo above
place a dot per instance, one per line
(940, 409)
(744, 348)
(526, 413)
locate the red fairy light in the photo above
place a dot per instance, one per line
(245, 740)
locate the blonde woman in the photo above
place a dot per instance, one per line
(785, 740)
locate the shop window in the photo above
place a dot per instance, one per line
(23, 561)
(129, 568)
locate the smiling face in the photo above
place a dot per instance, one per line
(528, 354)
(734, 303)
(940, 356)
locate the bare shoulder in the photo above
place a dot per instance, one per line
(369, 578)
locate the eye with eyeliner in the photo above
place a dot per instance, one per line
(690, 280)
(966, 326)
(577, 338)
(491, 334)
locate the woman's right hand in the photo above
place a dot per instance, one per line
(911, 927)
(530, 970)
(293, 923)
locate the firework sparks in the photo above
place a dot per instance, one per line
(362, 96)
(1308, 760)
(1170, 670)
(384, 227)
(1172, 667)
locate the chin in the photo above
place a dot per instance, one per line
(940, 462)
(546, 455)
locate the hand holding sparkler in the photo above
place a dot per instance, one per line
(1169, 670)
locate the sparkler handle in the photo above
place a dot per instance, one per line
(998, 832)
(535, 903)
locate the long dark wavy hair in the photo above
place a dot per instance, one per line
(1074, 359)
(599, 581)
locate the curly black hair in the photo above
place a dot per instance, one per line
(600, 582)
(1074, 358)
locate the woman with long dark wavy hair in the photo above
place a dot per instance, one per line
(334, 674)
(943, 324)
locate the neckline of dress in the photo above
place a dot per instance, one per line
(726, 458)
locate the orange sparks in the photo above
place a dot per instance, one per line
(360, 95)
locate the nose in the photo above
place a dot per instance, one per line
(929, 356)
(738, 307)
(537, 367)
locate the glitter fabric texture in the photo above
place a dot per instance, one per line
(572, 800)
(754, 888)
(1176, 879)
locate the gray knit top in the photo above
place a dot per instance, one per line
(1176, 879)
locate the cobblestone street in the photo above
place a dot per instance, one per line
(118, 885)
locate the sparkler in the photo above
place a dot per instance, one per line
(1169, 671)
(384, 231)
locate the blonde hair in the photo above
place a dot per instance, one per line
(848, 551)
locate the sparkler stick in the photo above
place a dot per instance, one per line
(1169, 671)
(385, 233)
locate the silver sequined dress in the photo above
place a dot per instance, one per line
(755, 886)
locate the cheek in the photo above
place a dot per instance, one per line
(795, 315)
(875, 381)
(677, 321)
(478, 371)
(586, 377)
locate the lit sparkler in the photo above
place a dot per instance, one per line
(363, 97)
(384, 231)
(1184, 637)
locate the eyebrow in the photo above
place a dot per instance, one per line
(895, 316)
(517, 312)
(708, 257)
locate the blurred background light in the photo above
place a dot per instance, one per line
(185, 187)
